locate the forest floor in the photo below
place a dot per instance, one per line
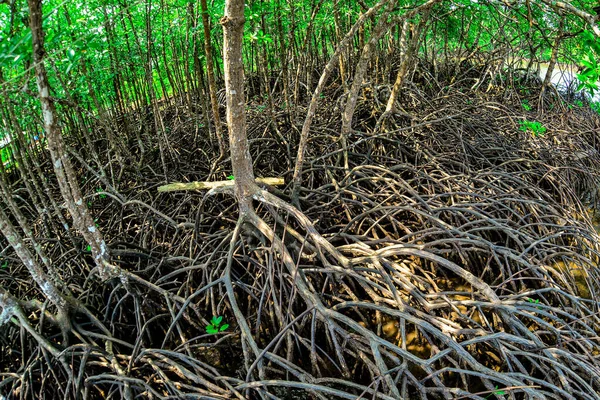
(455, 256)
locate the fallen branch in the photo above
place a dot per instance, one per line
(173, 187)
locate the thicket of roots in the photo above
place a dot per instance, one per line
(456, 257)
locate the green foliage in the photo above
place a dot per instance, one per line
(260, 37)
(525, 105)
(215, 325)
(590, 75)
(15, 49)
(231, 177)
(535, 127)
(7, 156)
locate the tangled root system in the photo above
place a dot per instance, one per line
(455, 257)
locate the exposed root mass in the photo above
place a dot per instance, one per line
(455, 257)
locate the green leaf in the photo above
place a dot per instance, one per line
(497, 393)
(591, 64)
(211, 329)
(223, 327)
(231, 177)
(88, 248)
(5, 265)
(98, 190)
(216, 321)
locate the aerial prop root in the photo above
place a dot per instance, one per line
(342, 330)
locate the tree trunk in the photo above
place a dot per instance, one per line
(67, 180)
(360, 71)
(407, 51)
(241, 162)
(312, 107)
(552, 64)
(212, 86)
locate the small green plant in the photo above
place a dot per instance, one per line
(536, 301)
(102, 196)
(215, 325)
(525, 105)
(4, 265)
(88, 248)
(230, 177)
(496, 393)
(535, 127)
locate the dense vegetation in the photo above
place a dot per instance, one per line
(422, 225)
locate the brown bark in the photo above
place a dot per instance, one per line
(32, 176)
(312, 107)
(163, 141)
(407, 51)
(338, 36)
(283, 59)
(40, 277)
(553, 61)
(305, 52)
(592, 20)
(67, 180)
(26, 173)
(212, 86)
(361, 70)
(241, 161)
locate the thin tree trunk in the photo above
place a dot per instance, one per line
(199, 74)
(312, 107)
(45, 283)
(241, 161)
(67, 180)
(361, 69)
(212, 86)
(338, 37)
(407, 51)
(552, 64)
